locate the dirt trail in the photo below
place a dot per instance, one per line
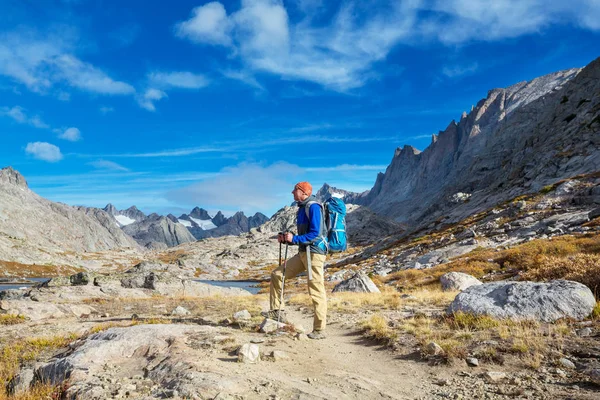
(343, 366)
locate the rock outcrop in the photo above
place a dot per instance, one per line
(458, 281)
(33, 229)
(516, 140)
(527, 300)
(158, 232)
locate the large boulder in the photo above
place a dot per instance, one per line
(359, 283)
(458, 281)
(527, 300)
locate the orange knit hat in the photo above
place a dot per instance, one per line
(305, 187)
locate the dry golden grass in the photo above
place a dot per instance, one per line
(15, 354)
(377, 327)
(10, 319)
(11, 268)
(583, 268)
(38, 392)
(159, 306)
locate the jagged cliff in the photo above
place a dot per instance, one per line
(514, 141)
(32, 227)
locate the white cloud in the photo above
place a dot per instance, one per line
(182, 80)
(44, 151)
(456, 71)
(150, 96)
(70, 134)
(19, 114)
(209, 24)
(347, 168)
(41, 63)
(341, 54)
(244, 76)
(108, 165)
(247, 187)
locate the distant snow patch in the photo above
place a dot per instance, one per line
(185, 223)
(124, 220)
(338, 195)
(205, 224)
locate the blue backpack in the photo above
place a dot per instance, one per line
(334, 211)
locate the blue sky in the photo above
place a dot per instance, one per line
(225, 105)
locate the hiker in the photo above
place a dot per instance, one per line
(311, 231)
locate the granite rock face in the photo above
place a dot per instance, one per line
(516, 140)
(527, 300)
(33, 228)
(458, 281)
(359, 283)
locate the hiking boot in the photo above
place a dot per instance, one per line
(275, 315)
(316, 335)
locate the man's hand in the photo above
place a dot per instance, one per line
(288, 237)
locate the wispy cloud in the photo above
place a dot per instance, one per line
(108, 165)
(227, 146)
(150, 96)
(178, 79)
(250, 187)
(40, 63)
(456, 71)
(346, 168)
(44, 151)
(70, 134)
(340, 54)
(19, 114)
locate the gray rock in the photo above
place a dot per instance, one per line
(243, 315)
(269, 325)
(472, 362)
(180, 311)
(540, 301)
(494, 377)
(433, 349)
(80, 278)
(249, 353)
(594, 375)
(458, 281)
(21, 382)
(566, 363)
(359, 283)
(585, 332)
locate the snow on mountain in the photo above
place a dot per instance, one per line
(124, 220)
(205, 224)
(185, 222)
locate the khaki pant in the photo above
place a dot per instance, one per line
(316, 286)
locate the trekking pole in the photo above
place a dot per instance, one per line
(282, 283)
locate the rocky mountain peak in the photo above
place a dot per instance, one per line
(112, 210)
(199, 213)
(10, 176)
(219, 219)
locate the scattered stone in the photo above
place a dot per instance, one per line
(249, 353)
(21, 382)
(301, 336)
(257, 340)
(442, 382)
(585, 332)
(594, 375)
(458, 281)
(269, 325)
(180, 311)
(433, 349)
(566, 363)
(472, 362)
(359, 283)
(80, 278)
(243, 315)
(494, 377)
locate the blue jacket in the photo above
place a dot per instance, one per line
(310, 227)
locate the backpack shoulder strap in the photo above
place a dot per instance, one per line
(307, 207)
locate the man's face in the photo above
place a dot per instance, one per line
(299, 195)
